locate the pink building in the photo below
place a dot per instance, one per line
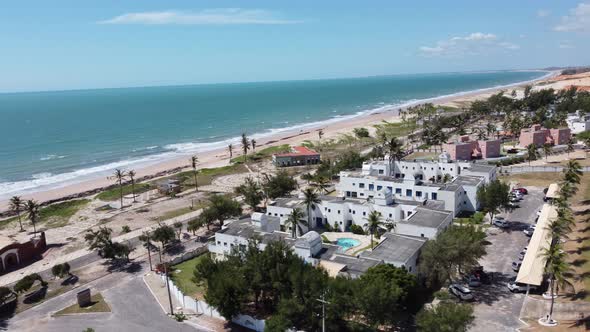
(539, 136)
(466, 149)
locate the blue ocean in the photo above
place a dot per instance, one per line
(50, 139)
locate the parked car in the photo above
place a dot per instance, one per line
(522, 253)
(529, 231)
(517, 287)
(501, 222)
(521, 190)
(516, 195)
(516, 266)
(461, 292)
(472, 280)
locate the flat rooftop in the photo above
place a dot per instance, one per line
(287, 202)
(427, 217)
(245, 229)
(477, 167)
(395, 249)
(467, 180)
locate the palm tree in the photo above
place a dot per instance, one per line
(572, 172)
(310, 199)
(131, 175)
(253, 143)
(294, 221)
(481, 134)
(230, 148)
(145, 238)
(546, 150)
(321, 183)
(32, 208)
(245, 146)
(16, 205)
(320, 134)
(557, 268)
(570, 147)
(395, 150)
(119, 177)
(194, 162)
(307, 177)
(532, 153)
(374, 221)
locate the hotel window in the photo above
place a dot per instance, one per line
(371, 187)
(398, 191)
(325, 209)
(379, 187)
(409, 192)
(353, 212)
(380, 171)
(281, 214)
(422, 235)
(361, 185)
(364, 213)
(390, 215)
(349, 211)
(219, 242)
(225, 244)
(418, 194)
(433, 195)
(390, 189)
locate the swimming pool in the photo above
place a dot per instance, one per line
(347, 243)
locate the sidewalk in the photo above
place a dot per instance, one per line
(157, 287)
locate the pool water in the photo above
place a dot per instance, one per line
(347, 243)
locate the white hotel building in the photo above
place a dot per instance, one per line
(407, 196)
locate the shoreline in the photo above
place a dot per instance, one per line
(217, 157)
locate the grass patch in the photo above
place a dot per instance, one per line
(181, 211)
(55, 215)
(98, 305)
(115, 193)
(263, 154)
(422, 155)
(182, 276)
(541, 179)
(206, 175)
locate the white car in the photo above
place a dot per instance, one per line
(529, 231)
(501, 222)
(517, 287)
(517, 194)
(461, 292)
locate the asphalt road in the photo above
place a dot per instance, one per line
(133, 309)
(496, 308)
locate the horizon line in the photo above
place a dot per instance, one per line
(284, 80)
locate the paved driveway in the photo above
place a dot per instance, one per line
(496, 308)
(133, 309)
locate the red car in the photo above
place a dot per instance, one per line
(521, 190)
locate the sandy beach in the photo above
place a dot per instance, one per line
(220, 157)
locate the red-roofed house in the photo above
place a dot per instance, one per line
(15, 253)
(298, 156)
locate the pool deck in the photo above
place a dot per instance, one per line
(365, 240)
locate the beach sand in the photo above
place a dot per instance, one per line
(220, 157)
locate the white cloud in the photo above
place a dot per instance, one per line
(543, 13)
(577, 20)
(224, 16)
(472, 44)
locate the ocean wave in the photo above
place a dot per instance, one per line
(51, 157)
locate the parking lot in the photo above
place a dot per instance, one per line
(496, 308)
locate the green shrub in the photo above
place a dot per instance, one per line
(125, 229)
(356, 229)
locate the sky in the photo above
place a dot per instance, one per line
(72, 44)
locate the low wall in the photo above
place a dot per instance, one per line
(535, 307)
(535, 169)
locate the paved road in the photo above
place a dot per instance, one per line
(496, 308)
(133, 309)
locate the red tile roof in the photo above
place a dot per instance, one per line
(298, 151)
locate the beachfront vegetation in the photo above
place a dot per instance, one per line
(17, 206)
(455, 251)
(288, 298)
(114, 193)
(194, 162)
(32, 208)
(206, 175)
(53, 215)
(220, 208)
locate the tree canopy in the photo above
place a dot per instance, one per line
(445, 317)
